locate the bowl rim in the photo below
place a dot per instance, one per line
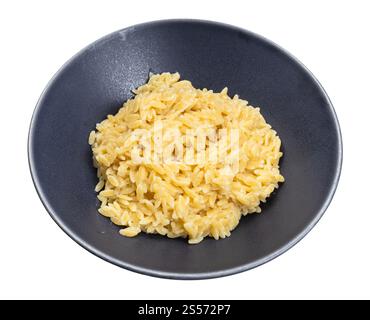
(179, 275)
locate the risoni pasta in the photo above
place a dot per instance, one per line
(183, 162)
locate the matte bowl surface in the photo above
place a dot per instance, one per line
(100, 78)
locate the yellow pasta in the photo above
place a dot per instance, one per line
(171, 192)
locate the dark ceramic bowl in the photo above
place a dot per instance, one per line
(97, 80)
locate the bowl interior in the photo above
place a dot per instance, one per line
(100, 78)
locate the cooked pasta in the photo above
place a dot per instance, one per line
(170, 193)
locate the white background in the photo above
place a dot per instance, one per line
(37, 260)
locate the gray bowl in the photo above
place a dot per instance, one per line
(97, 80)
